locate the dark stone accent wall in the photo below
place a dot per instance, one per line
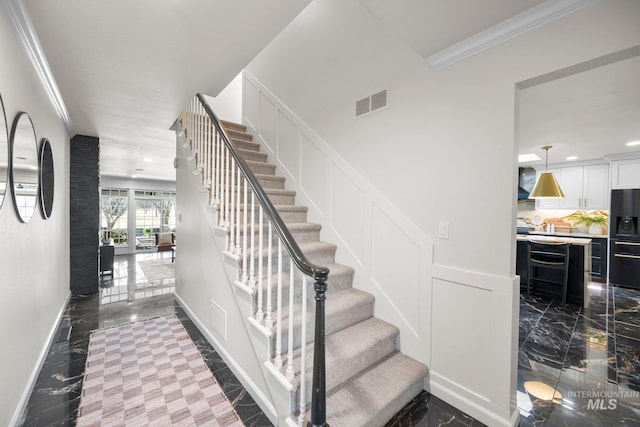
(84, 214)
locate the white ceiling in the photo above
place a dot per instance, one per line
(429, 26)
(125, 69)
(589, 115)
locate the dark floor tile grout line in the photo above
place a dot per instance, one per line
(535, 326)
(566, 352)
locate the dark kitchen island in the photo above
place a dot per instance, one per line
(579, 265)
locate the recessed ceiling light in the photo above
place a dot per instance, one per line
(148, 160)
(572, 158)
(140, 170)
(24, 158)
(528, 158)
(633, 143)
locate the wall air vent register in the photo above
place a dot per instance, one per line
(371, 103)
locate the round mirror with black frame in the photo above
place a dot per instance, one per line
(46, 179)
(4, 154)
(24, 166)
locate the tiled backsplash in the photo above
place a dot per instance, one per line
(539, 218)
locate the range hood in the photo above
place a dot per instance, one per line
(526, 181)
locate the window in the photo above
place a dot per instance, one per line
(113, 216)
(155, 213)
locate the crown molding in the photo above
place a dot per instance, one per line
(23, 28)
(519, 24)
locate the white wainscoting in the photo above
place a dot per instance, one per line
(474, 336)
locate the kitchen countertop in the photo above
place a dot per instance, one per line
(580, 235)
(554, 238)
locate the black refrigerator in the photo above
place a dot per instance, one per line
(624, 238)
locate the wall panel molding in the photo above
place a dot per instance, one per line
(320, 179)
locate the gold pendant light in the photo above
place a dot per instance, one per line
(546, 186)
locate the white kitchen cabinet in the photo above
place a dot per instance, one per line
(571, 183)
(625, 173)
(595, 187)
(584, 188)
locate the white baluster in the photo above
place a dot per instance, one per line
(225, 189)
(209, 156)
(207, 152)
(245, 220)
(238, 250)
(303, 355)
(278, 361)
(268, 322)
(259, 313)
(232, 228)
(290, 335)
(252, 263)
(197, 135)
(216, 180)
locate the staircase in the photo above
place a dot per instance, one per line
(367, 379)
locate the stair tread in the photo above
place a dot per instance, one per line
(351, 350)
(371, 398)
(229, 124)
(274, 191)
(252, 152)
(271, 177)
(335, 303)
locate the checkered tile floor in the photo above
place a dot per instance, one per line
(150, 373)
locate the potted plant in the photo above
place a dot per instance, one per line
(595, 224)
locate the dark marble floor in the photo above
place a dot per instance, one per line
(56, 395)
(590, 356)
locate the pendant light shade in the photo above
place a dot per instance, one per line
(546, 186)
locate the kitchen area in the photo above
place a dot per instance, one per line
(578, 244)
(600, 226)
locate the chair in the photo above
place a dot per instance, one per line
(105, 259)
(165, 241)
(548, 264)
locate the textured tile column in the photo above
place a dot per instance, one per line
(84, 214)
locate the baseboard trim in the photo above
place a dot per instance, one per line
(476, 406)
(262, 400)
(26, 393)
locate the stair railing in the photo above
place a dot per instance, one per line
(239, 198)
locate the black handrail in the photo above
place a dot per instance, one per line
(306, 266)
(319, 274)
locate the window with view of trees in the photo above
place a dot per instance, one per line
(114, 205)
(155, 213)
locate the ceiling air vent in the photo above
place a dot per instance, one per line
(371, 103)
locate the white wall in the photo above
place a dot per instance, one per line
(34, 257)
(445, 143)
(204, 283)
(228, 103)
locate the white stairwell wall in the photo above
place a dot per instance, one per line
(204, 283)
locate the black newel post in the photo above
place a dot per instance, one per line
(318, 395)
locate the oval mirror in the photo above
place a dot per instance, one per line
(4, 153)
(24, 166)
(46, 178)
